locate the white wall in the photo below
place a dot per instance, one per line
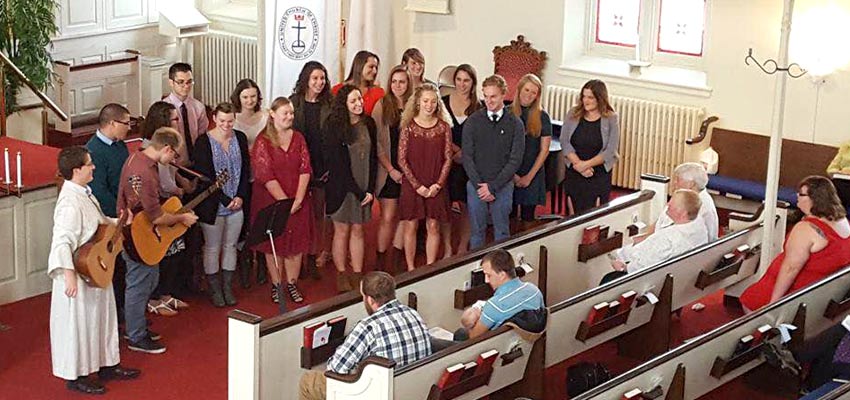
(742, 96)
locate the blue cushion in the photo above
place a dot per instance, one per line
(822, 390)
(749, 189)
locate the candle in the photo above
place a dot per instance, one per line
(20, 184)
(6, 164)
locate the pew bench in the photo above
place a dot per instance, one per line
(419, 379)
(709, 361)
(743, 158)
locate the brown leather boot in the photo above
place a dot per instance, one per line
(355, 279)
(343, 281)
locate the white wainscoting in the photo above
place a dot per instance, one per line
(25, 237)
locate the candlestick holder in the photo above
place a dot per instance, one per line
(11, 189)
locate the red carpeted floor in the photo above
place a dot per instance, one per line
(195, 365)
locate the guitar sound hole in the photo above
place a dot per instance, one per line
(109, 247)
(156, 233)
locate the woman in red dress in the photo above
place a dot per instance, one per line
(281, 164)
(425, 158)
(817, 246)
(364, 74)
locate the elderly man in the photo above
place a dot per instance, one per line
(686, 232)
(692, 176)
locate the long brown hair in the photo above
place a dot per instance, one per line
(474, 102)
(825, 201)
(600, 93)
(271, 132)
(411, 109)
(533, 125)
(389, 107)
(355, 75)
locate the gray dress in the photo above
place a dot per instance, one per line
(351, 212)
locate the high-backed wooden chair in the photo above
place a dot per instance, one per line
(517, 59)
(445, 81)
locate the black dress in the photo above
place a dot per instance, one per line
(457, 175)
(587, 141)
(392, 189)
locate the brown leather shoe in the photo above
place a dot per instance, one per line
(343, 282)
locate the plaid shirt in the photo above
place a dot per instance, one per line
(394, 331)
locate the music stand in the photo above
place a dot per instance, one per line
(271, 223)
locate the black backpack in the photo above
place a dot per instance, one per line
(584, 376)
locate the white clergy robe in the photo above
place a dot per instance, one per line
(83, 329)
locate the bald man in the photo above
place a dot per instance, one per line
(687, 232)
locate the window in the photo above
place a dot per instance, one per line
(669, 31)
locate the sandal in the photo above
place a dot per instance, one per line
(294, 294)
(176, 304)
(159, 307)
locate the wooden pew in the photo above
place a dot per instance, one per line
(644, 329)
(707, 362)
(263, 359)
(418, 380)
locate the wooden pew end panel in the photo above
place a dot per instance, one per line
(372, 379)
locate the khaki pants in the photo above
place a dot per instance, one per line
(313, 386)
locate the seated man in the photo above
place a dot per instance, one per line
(392, 330)
(512, 296)
(692, 176)
(686, 233)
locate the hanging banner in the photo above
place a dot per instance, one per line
(298, 31)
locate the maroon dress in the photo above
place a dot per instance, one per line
(425, 157)
(274, 163)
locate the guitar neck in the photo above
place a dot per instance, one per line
(197, 200)
(121, 222)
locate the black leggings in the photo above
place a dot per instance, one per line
(526, 213)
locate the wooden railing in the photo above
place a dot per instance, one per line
(46, 102)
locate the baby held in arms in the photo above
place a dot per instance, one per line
(471, 315)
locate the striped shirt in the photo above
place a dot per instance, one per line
(394, 331)
(509, 299)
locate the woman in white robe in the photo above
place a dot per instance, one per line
(83, 318)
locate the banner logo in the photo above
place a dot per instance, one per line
(298, 33)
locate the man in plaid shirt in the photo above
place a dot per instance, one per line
(392, 330)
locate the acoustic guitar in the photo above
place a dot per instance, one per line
(95, 260)
(152, 241)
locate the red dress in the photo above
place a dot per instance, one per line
(833, 257)
(369, 98)
(273, 163)
(425, 158)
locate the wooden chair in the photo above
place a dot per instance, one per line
(445, 81)
(517, 59)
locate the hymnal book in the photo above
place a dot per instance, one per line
(590, 235)
(469, 370)
(633, 394)
(597, 313)
(627, 298)
(744, 344)
(450, 376)
(761, 333)
(728, 259)
(839, 175)
(440, 333)
(309, 330)
(321, 336)
(603, 232)
(477, 277)
(613, 308)
(337, 327)
(486, 360)
(742, 250)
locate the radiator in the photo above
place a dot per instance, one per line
(652, 134)
(223, 59)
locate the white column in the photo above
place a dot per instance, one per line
(243, 356)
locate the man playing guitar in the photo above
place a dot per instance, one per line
(139, 190)
(83, 318)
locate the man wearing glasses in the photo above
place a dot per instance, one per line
(108, 154)
(191, 112)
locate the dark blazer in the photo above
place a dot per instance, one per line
(299, 123)
(202, 154)
(337, 160)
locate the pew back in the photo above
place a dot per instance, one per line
(699, 356)
(566, 317)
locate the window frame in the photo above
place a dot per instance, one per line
(649, 29)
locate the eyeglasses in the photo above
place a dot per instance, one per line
(126, 123)
(188, 82)
(802, 194)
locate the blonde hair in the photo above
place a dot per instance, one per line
(533, 125)
(689, 200)
(270, 132)
(411, 109)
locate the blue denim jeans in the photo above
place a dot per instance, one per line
(141, 281)
(499, 210)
